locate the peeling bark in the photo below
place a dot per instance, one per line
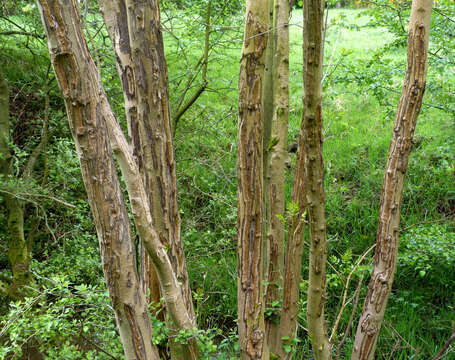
(97, 136)
(152, 141)
(277, 155)
(250, 184)
(314, 177)
(117, 28)
(141, 65)
(392, 188)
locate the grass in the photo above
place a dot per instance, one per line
(358, 125)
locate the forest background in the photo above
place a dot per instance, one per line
(68, 316)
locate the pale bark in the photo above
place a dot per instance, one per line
(153, 147)
(314, 177)
(88, 111)
(117, 28)
(97, 134)
(139, 48)
(277, 155)
(86, 107)
(18, 252)
(252, 339)
(392, 189)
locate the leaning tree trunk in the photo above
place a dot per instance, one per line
(250, 184)
(142, 69)
(277, 155)
(392, 188)
(152, 141)
(314, 177)
(86, 107)
(18, 251)
(117, 28)
(93, 124)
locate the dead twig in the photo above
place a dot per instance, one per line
(440, 354)
(351, 318)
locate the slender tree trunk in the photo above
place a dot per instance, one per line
(117, 27)
(267, 106)
(152, 140)
(277, 153)
(138, 44)
(250, 184)
(93, 124)
(392, 189)
(88, 111)
(314, 177)
(18, 252)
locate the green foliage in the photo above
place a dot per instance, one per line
(428, 257)
(63, 321)
(365, 64)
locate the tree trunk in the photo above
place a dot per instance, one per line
(392, 189)
(88, 110)
(97, 134)
(117, 28)
(152, 141)
(250, 184)
(267, 108)
(18, 252)
(277, 155)
(142, 69)
(314, 177)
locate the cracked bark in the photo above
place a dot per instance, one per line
(250, 184)
(88, 111)
(392, 188)
(152, 140)
(314, 177)
(141, 65)
(117, 27)
(98, 136)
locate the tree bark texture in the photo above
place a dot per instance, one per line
(392, 188)
(117, 28)
(250, 184)
(18, 251)
(138, 44)
(277, 155)
(88, 110)
(267, 106)
(314, 176)
(294, 249)
(152, 142)
(97, 135)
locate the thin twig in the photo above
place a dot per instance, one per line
(351, 318)
(23, 33)
(181, 109)
(345, 293)
(440, 354)
(424, 222)
(21, 197)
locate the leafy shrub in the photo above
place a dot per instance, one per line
(427, 255)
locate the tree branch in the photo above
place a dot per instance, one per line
(23, 33)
